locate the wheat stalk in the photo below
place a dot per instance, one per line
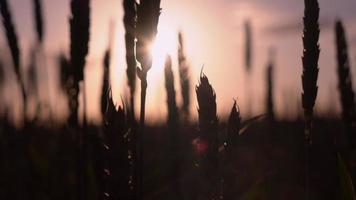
(130, 19)
(79, 39)
(106, 82)
(233, 126)
(269, 99)
(148, 12)
(310, 75)
(184, 77)
(233, 129)
(347, 96)
(116, 168)
(39, 20)
(208, 129)
(2, 81)
(173, 125)
(248, 45)
(310, 62)
(171, 94)
(79, 46)
(12, 41)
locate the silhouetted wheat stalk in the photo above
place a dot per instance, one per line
(248, 45)
(39, 20)
(32, 74)
(106, 73)
(106, 82)
(148, 12)
(116, 171)
(38, 48)
(208, 132)
(171, 94)
(12, 41)
(130, 19)
(184, 77)
(2, 81)
(347, 96)
(79, 41)
(269, 99)
(310, 73)
(64, 68)
(174, 139)
(233, 129)
(248, 64)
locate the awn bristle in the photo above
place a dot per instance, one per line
(39, 19)
(347, 96)
(184, 76)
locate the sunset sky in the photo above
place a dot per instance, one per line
(214, 38)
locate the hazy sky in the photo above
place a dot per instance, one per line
(214, 36)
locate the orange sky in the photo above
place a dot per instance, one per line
(214, 38)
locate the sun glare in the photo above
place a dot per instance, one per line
(165, 44)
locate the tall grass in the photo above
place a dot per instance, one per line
(184, 77)
(148, 12)
(347, 96)
(208, 133)
(310, 76)
(12, 42)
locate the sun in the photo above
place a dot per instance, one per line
(165, 44)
